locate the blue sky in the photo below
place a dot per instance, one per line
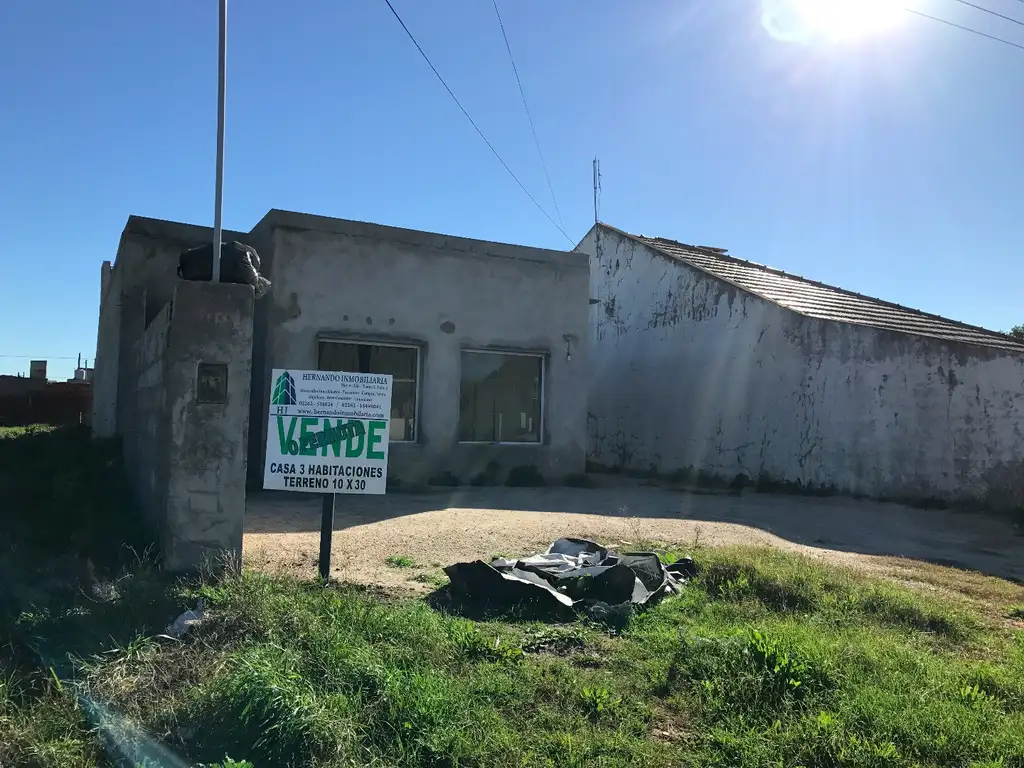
(889, 165)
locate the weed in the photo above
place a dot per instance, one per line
(550, 640)
(782, 672)
(578, 480)
(974, 697)
(473, 644)
(399, 561)
(434, 579)
(444, 479)
(525, 476)
(599, 702)
(739, 482)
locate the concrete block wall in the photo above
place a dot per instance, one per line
(145, 427)
(205, 509)
(186, 459)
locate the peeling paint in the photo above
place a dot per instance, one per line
(689, 371)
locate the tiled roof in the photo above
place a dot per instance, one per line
(825, 302)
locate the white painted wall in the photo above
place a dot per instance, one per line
(689, 371)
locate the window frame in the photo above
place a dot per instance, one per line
(400, 345)
(542, 427)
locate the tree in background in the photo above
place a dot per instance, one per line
(1017, 332)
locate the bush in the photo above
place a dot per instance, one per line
(445, 479)
(525, 476)
(61, 491)
(490, 476)
(578, 480)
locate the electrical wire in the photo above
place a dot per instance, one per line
(475, 126)
(965, 29)
(990, 11)
(42, 357)
(526, 107)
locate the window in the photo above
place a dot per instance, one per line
(403, 363)
(500, 397)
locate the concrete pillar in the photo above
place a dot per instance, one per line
(208, 373)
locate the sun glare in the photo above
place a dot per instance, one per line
(830, 19)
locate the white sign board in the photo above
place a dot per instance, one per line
(328, 432)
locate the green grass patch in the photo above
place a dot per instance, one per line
(41, 724)
(766, 658)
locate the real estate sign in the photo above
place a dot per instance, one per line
(328, 432)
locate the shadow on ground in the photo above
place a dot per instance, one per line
(968, 540)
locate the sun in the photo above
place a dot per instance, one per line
(808, 21)
(846, 19)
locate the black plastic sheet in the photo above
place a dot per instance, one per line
(239, 263)
(574, 574)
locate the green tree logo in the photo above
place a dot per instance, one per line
(284, 390)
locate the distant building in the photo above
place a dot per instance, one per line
(82, 372)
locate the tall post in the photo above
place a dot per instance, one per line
(221, 83)
(326, 534)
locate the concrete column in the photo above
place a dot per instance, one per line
(210, 335)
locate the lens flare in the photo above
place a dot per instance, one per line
(828, 20)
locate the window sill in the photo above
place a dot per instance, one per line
(488, 442)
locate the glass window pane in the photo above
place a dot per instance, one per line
(499, 398)
(400, 362)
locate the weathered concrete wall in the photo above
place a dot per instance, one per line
(210, 323)
(365, 282)
(104, 379)
(689, 371)
(146, 425)
(133, 291)
(186, 459)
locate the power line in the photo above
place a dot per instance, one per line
(526, 107)
(965, 29)
(42, 357)
(475, 126)
(990, 11)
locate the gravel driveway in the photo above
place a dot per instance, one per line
(438, 528)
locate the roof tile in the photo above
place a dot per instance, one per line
(825, 302)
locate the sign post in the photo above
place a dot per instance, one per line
(328, 434)
(326, 535)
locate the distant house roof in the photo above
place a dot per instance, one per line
(824, 302)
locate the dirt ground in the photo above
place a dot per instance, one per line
(421, 533)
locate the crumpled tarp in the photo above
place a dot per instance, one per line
(573, 574)
(239, 263)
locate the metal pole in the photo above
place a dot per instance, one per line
(326, 532)
(221, 82)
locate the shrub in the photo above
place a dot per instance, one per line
(525, 476)
(445, 479)
(578, 480)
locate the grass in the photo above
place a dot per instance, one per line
(399, 561)
(766, 658)
(41, 723)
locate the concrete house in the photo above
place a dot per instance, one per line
(487, 342)
(704, 361)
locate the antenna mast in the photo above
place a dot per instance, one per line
(597, 190)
